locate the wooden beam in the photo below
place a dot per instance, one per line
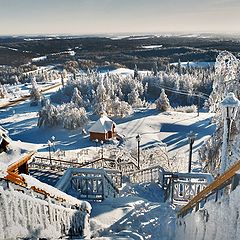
(14, 166)
(226, 176)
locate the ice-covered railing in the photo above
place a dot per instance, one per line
(179, 188)
(87, 183)
(61, 165)
(182, 187)
(150, 174)
(224, 184)
(26, 213)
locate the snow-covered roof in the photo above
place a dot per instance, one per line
(102, 125)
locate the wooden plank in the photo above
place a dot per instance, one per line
(226, 176)
(13, 167)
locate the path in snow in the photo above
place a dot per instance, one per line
(137, 214)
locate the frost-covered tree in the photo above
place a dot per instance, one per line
(101, 99)
(66, 115)
(135, 75)
(133, 98)
(120, 108)
(179, 67)
(35, 95)
(226, 80)
(77, 98)
(3, 91)
(162, 103)
(73, 117)
(48, 115)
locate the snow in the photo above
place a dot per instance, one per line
(195, 64)
(170, 128)
(13, 49)
(25, 215)
(102, 125)
(126, 71)
(38, 59)
(138, 214)
(216, 221)
(152, 46)
(54, 192)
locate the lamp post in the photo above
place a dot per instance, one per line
(191, 138)
(102, 148)
(49, 151)
(229, 107)
(138, 138)
(53, 142)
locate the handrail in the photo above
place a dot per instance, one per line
(72, 173)
(86, 164)
(139, 175)
(210, 189)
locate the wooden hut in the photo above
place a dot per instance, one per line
(103, 129)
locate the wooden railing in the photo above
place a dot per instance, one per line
(182, 187)
(62, 165)
(150, 174)
(214, 190)
(53, 164)
(89, 184)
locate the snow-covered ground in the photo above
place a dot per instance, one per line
(138, 214)
(195, 64)
(152, 46)
(170, 128)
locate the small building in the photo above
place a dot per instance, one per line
(12, 160)
(103, 129)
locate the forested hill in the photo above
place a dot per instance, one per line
(127, 51)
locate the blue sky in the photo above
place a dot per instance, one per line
(116, 16)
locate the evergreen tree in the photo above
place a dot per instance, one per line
(135, 75)
(155, 69)
(179, 67)
(162, 103)
(35, 95)
(77, 98)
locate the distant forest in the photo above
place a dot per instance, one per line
(15, 51)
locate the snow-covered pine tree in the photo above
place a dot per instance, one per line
(3, 91)
(77, 98)
(135, 75)
(162, 103)
(35, 95)
(73, 117)
(48, 115)
(179, 67)
(101, 97)
(133, 98)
